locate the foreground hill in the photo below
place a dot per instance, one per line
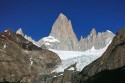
(110, 67)
(21, 60)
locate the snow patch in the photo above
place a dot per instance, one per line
(50, 39)
(54, 76)
(48, 44)
(5, 46)
(31, 61)
(5, 30)
(9, 33)
(72, 68)
(67, 54)
(3, 36)
(92, 49)
(109, 31)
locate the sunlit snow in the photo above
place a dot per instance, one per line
(50, 39)
(81, 58)
(72, 68)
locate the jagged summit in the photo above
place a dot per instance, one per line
(95, 40)
(93, 32)
(19, 31)
(61, 15)
(29, 38)
(63, 31)
(18, 39)
(111, 65)
(81, 38)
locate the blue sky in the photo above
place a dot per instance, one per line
(36, 17)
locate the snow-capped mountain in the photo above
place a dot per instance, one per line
(95, 44)
(63, 32)
(62, 37)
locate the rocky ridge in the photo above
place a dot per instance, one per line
(62, 31)
(22, 61)
(20, 32)
(109, 68)
(96, 40)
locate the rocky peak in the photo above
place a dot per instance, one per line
(93, 32)
(29, 38)
(19, 31)
(63, 31)
(99, 40)
(81, 38)
(62, 16)
(61, 24)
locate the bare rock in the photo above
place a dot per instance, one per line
(94, 40)
(63, 31)
(22, 61)
(110, 64)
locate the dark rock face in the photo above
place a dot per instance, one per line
(14, 64)
(113, 60)
(62, 77)
(108, 76)
(22, 61)
(18, 39)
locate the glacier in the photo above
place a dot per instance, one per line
(81, 58)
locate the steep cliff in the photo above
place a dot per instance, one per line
(109, 68)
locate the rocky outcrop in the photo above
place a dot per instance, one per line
(61, 77)
(96, 40)
(18, 39)
(29, 38)
(20, 32)
(22, 61)
(62, 31)
(109, 68)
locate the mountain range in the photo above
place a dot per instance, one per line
(61, 57)
(109, 67)
(62, 37)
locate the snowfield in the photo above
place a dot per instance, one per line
(81, 58)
